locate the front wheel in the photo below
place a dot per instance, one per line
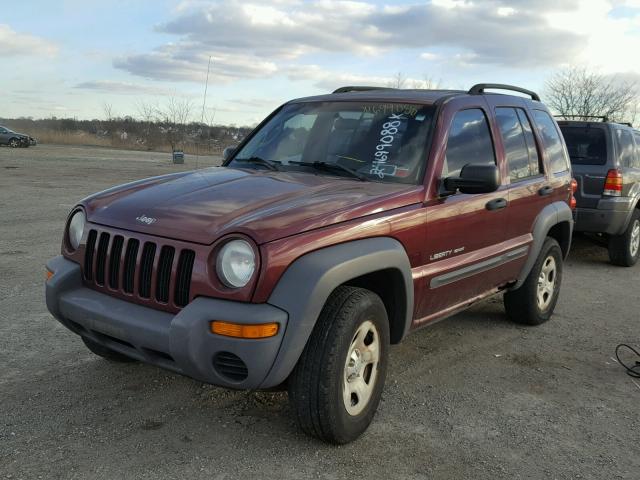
(624, 249)
(14, 143)
(534, 302)
(336, 386)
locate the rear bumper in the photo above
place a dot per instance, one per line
(611, 216)
(182, 342)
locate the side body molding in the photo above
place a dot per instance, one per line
(307, 283)
(551, 215)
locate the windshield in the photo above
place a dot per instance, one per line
(586, 145)
(371, 141)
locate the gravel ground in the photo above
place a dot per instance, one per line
(472, 397)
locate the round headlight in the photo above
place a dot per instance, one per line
(236, 263)
(76, 229)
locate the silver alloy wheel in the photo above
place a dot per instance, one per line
(634, 244)
(547, 283)
(361, 368)
(13, 143)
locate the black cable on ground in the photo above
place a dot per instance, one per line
(634, 370)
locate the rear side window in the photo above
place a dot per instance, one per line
(586, 145)
(469, 142)
(519, 145)
(552, 141)
(626, 148)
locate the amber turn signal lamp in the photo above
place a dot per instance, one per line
(49, 273)
(237, 330)
(613, 183)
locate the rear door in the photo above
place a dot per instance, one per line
(529, 187)
(589, 146)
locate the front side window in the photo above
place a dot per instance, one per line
(519, 144)
(469, 142)
(378, 141)
(552, 141)
(626, 148)
(586, 145)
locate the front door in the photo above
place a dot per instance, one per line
(464, 231)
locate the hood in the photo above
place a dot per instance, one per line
(204, 205)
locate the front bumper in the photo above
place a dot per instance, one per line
(182, 342)
(611, 216)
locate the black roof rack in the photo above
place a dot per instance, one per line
(603, 118)
(479, 89)
(360, 88)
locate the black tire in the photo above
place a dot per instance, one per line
(317, 382)
(623, 249)
(522, 305)
(105, 352)
(14, 143)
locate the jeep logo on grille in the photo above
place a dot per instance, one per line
(146, 220)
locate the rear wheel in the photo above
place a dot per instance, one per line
(624, 249)
(105, 352)
(534, 302)
(337, 384)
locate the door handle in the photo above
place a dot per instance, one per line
(546, 190)
(496, 204)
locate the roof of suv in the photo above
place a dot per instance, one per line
(594, 123)
(408, 95)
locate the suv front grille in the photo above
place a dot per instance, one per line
(118, 265)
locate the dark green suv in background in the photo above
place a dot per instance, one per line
(606, 163)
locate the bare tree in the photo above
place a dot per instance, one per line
(581, 93)
(397, 81)
(175, 115)
(427, 83)
(400, 80)
(147, 112)
(107, 108)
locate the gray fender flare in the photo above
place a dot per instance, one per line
(551, 215)
(307, 283)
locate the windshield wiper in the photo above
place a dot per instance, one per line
(270, 164)
(331, 166)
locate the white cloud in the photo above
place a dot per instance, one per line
(253, 40)
(14, 44)
(429, 56)
(610, 40)
(188, 62)
(124, 88)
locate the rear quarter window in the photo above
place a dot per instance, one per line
(552, 142)
(586, 145)
(626, 148)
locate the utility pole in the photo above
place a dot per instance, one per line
(204, 102)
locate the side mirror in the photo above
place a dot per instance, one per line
(474, 178)
(227, 153)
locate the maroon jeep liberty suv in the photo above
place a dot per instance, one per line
(339, 225)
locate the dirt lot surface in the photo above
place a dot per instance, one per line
(472, 397)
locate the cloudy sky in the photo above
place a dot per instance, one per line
(69, 58)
